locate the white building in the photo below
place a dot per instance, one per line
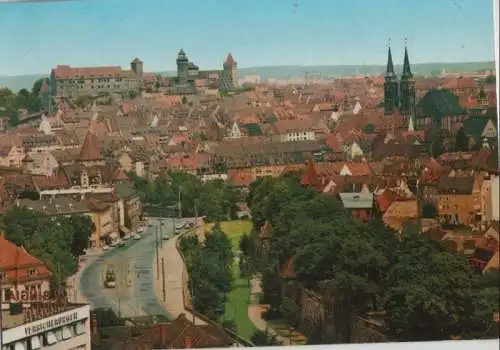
(63, 330)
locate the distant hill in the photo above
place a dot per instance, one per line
(283, 72)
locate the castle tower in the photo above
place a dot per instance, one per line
(182, 66)
(230, 68)
(137, 66)
(391, 88)
(407, 90)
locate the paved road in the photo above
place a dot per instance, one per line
(134, 266)
(175, 275)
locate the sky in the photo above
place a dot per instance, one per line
(38, 36)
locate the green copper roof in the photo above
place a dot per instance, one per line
(439, 103)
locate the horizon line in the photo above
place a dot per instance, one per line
(270, 66)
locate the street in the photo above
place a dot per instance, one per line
(133, 265)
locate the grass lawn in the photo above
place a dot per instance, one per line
(239, 297)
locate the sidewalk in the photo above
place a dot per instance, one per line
(255, 311)
(175, 276)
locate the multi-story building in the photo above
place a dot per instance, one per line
(69, 82)
(47, 326)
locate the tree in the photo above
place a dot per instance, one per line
(490, 79)
(429, 294)
(264, 338)
(290, 312)
(462, 141)
(83, 227)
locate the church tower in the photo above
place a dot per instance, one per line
(407, 90)
(230, 68)
(182, 66)
(391, 96)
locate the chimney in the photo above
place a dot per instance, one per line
(188, 342)
(164, 335)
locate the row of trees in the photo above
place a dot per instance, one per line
(428, 291)
(57, 241)
(210, 271)
(214, 199)
(11, 103)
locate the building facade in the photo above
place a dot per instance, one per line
(63, 329)
(70, 82)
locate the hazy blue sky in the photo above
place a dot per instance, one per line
(36, 37)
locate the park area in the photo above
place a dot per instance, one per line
(239, 297)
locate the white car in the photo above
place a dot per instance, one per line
(105, 248)
(137, 237)
(141, 229)
(126, 237)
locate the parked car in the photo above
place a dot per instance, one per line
(137, 237)
(105, 248)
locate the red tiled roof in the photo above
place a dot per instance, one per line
(91, 150)
(16, 262)
(229, 60)
(385, 200)
(65, 71)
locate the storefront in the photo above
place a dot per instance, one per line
(68, 330)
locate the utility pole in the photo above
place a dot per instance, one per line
(157, 257)
(163, 277)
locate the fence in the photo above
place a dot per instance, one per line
(186, 296)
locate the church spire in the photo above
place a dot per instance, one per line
(391, 88)
(407, 74)
(390, 64)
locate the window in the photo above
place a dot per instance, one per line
(50, 338)
(32, 271)
(80, 328)
(66, 333)
(35, 343)
(2, 275)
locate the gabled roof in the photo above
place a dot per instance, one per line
(91, 149)
(474, 126)
(14, 260)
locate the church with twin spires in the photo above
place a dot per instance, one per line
(400, 93)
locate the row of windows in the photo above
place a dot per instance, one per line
(49, 338)
(82, 81)
(31, 272)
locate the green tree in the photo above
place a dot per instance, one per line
(290, 312)
(490, 79)
(83, 227)
(429, 294)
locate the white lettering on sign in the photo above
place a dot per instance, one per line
(51, 323)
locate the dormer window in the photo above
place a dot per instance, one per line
(32, 271)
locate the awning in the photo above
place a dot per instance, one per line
(35, 342)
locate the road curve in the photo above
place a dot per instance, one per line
(134, 294)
